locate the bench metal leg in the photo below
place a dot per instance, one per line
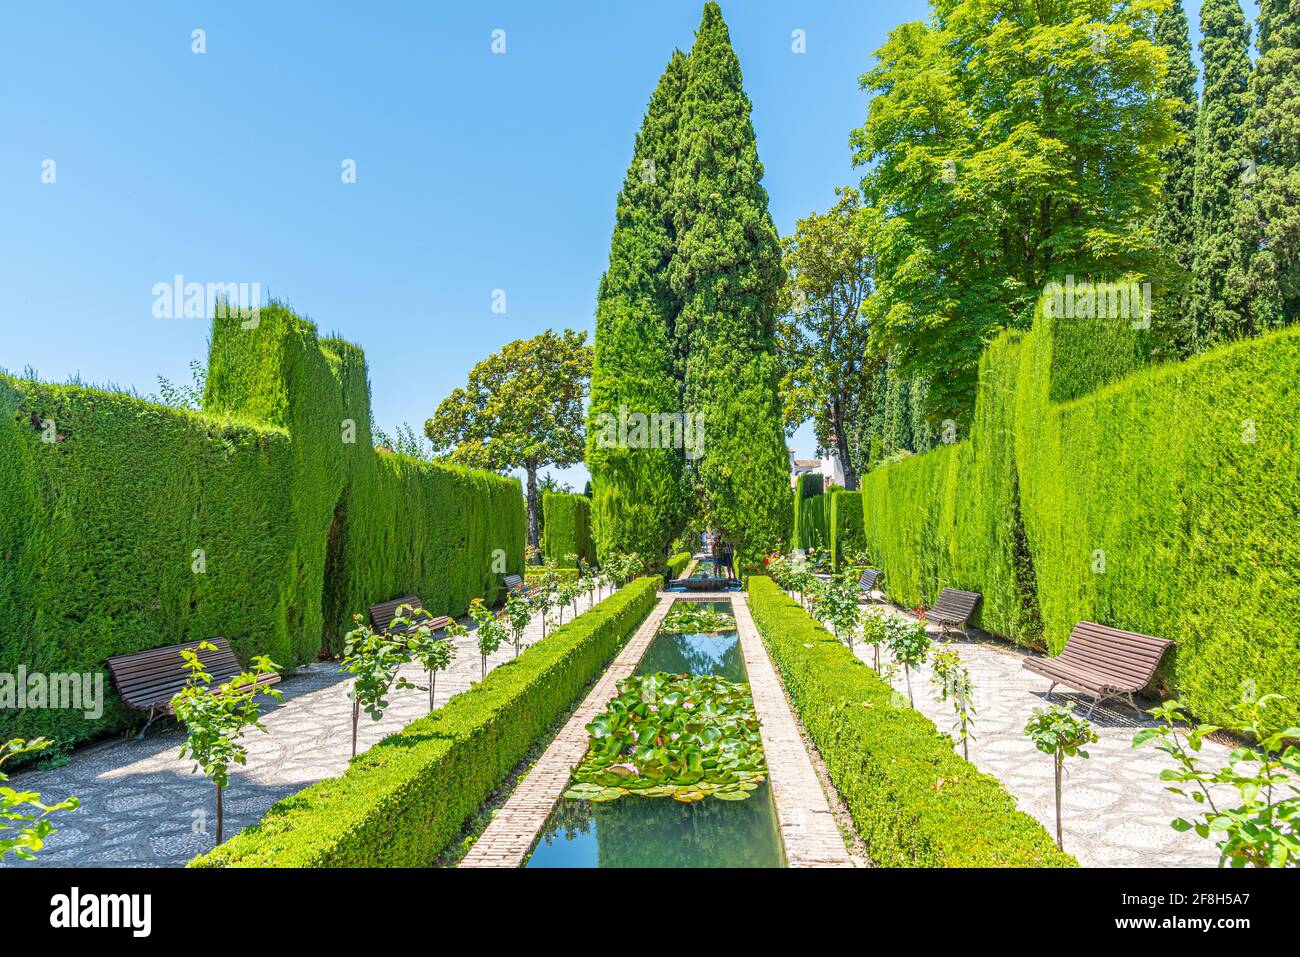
(154, 715)
(1049, 690)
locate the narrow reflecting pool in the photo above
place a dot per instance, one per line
(661, 832)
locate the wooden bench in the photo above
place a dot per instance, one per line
(515, 584)
(953, 609)
(382, 615)
(870, 581)
(148, 680)
(1105, 662)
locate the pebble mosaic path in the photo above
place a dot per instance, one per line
(141, 805)
(1116, 810)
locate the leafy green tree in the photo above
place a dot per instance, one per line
(25, 820)
(518, 611)
(432, 652)
(1173, 331)
(1269, 212)
(1058, 731)
(823, 338)
(910, 643)
(727, 272)
(215, 719)
(1264, 829)
(490, 633)
(837, 603)
(1008, 145)
(951, 680)
(1222, 159)
(521, 408)
(639, 492)
(374, 660)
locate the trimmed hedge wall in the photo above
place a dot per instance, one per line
(1162, 503)
(913, 799)
(567, 527)
(846, 525)
(806, 486)
(404, 799)
(300, 521)
(677, 564)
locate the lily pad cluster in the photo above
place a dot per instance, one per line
(687, 737)
(696, 618)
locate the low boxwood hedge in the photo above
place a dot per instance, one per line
(677, 564)
(403, 800)
(915, 802)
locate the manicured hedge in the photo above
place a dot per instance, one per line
(845, 525)
(1161, 503)
(300, 521)
(403, 800)
(567, 528)
(98, 532)
(913, 799)
(677, 564)
(806, 488)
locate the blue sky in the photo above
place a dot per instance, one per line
(475, 171)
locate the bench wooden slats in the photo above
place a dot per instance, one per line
(954, 608)
(1105, 662)
(382, 615)
(515, 583)
(148, 680)
(869, 580)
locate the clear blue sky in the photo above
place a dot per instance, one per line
(475, 171)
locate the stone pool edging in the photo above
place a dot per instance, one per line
(809, 835)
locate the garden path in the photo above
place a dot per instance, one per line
(142, 806)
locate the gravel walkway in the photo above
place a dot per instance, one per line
(143, 806)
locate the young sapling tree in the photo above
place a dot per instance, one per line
(1058, 731)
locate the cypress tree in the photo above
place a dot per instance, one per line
(639, 490)
(727, 271)
(1270, 206)
(1172, 329)
(1222, 155)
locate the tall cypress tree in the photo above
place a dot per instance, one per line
(1222, 159)
(639, 491)
(1270, 206)
(1172, 329)
(727, 271)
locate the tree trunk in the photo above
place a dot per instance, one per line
(218, 813)
(1059, 844)
(531, 466)
(356, 717)
(433, 677)
(907, 672)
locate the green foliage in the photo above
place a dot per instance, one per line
(25, 820)
(846, 533)
(1268, 213)
(726, 270)
(688, 617)
(521, 408)
(402, 801)
(1222, 157)
(1264, 830)
(1173, 330)
(640, 494)
(1188, 521)
(952, 682)
(1058, 731)
(822, 340)
(216, 719)
(491, 632)
(567, 529)
(374, 660)
(1007, 146)
(677, 564)
(913, 800)
(837, 603)
(687, 737)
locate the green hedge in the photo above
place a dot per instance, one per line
(845, 525)
(300, 521)
(1144, 505)
(677, 564)
(404, 799)
(913, 799)
(567, 527)
(98, 533)
(806, 488)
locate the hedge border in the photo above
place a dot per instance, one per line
(915, 802)
(403, 800)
